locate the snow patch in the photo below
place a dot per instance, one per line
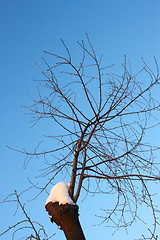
(60, 193)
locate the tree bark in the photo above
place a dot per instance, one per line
(66, 217)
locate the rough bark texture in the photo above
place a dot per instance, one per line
(66, 217)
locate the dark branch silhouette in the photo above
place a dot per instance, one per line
(102, 118)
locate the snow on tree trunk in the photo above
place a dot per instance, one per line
(64, 212)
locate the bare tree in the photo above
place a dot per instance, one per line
(102, 118)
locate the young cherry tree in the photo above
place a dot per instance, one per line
(102, 118)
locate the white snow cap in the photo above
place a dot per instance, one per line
(60, 193)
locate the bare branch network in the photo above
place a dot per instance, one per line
(102, 118)
(29, 228)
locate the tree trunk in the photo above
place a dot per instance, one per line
(66, 217)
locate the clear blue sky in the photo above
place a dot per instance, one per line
(27, 27)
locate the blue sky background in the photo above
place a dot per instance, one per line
(116, 28)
